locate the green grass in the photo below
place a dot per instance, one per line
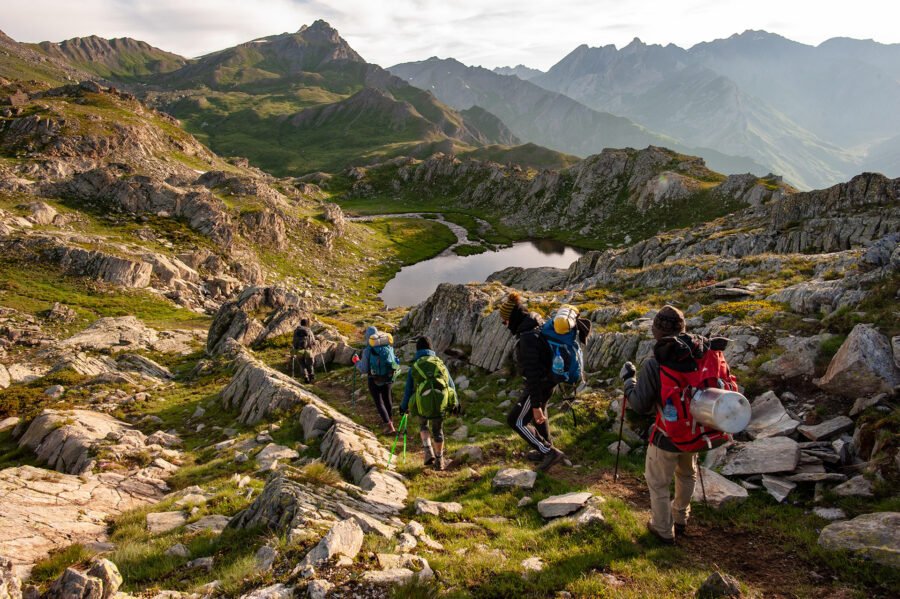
(50, 568)
(469, 250)
(33, 288)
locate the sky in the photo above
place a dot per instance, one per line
(537, 33)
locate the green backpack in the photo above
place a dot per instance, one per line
(433, 394)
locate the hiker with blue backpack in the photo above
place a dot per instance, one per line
(430, 394)
(380, 365)
(546, 354)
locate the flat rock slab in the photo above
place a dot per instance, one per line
(830, 513)
(391, 576)
(768, 418)
(533, 564)
(159, 522)
(762, 456)
(469, 453)
(858, 486)
(871, 536)
(214, 523)
(460, 434)
(514, 478)
(488, 423)
(827, 429)
(45, 510)
(436, 508)
(719, 490)
(344, 538)
(864, 365)
(271, 453)
(563, 505)
(778, 487)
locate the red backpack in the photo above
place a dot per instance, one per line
(684, 432)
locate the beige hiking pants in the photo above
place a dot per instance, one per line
(659, 468)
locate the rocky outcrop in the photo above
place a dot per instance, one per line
(123, 333)
(45, 510)
(70, 440)
(10, 585)
(292, 508)
(870, 536)
(581, 199)
(115, 270)
(258, 391)
(262, 313)
(844, 218)
(238, 319)
(864, 365)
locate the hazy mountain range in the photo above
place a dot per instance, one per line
(813, 114)
(304, 101)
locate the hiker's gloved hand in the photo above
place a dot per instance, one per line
(628, 371)
(404, 412)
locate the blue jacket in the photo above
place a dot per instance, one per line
(363, 364)
(408, 388)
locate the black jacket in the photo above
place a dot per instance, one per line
(304, 338)
(679, 353)
(533, 355)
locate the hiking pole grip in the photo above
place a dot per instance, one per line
(619, 444)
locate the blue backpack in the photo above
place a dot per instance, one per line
(567, 357)
(383, 363)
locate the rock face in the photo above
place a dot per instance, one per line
(66, 440)
(872, 536)
(864, 365)
(127, 333)
(258, 391)
(769, 418)
(799, 357)
(45, 510)
(10, 585)
(75, 585)
(827, 429)
(562, 505)
(774, 454)
(719, 490)
(344, 538)
(514, 478)
(285, 506)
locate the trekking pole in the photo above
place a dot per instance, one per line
(401, 428)
(325, 368)
(619, 444)
(572, 407)
(702, 486)
(293, 356)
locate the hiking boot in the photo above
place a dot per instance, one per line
(550, 459)
(659, 537)
(439, 464)
(534, 456)
(429, 455)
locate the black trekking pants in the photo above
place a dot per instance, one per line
(381, 394)
(535, 395)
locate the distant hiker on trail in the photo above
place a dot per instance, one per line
(433, 394)
(302, 344)
(528, 417)
(380, 364)
(681, 364)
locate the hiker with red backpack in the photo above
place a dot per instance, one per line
(430, 394)
(681, 365)
(545, 357)
(381, 366)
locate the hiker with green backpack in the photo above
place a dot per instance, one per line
(430, 394)
(381, 366)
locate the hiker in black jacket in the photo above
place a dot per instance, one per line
(528, 417)
(304, 340)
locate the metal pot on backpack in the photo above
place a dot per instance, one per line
(721, 409)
